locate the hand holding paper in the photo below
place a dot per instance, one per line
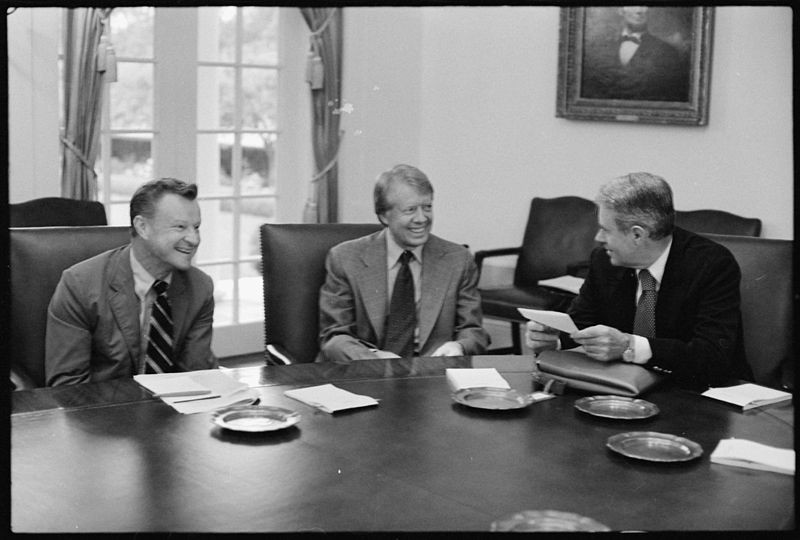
(553, 319)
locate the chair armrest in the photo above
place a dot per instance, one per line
(499, 252)
(578, 269)
(278, 356)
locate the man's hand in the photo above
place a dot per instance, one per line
(602, 342)
(449, 348)
(540, 337)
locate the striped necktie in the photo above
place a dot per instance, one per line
(159, 347)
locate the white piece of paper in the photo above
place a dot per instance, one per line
(554, 319)
(565, 283)
(753, 455)
(748, 395)
(172, 386)
(225, 391)
(460, 378)
(330, 398)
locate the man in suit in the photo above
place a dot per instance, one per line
(689, 285)
(106, 319)
(634, 64)
(364, 314)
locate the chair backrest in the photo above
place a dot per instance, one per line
(560, 232)
(717, 222)
(55, 212)
(767, 305)
(38, 256)
(293, 259)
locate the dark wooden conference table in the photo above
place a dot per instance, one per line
(107, 457)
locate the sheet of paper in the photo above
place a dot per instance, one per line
(460, 378)
(225, 391)
(747, 394)
(171, 386)
(753, 455)
(330, 398)
(554, 319)
(565, 283)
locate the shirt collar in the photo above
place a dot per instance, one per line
(142, 279)
(393, 250)
(657, 268)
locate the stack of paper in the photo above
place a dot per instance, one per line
(458, 378)
(330, 398)
(753, 455)
(565, 283)
(748, 395)
(198, 391)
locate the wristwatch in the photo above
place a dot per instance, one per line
(629, 355)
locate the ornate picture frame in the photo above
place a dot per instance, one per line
(666, 78)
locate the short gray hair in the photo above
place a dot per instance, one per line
(641, 199)
(406, 174)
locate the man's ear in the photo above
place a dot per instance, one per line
(639, 233)
(140, 224)
(381, 220)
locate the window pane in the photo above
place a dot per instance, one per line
(251, 294)
(223, 292)
(132, 32)
(119, 214)
(214, 162)
(259, 103)
(260, 35)
(132, 96)
(216, 38)
(131, 163)
(258, 163)
(255, 212)
(216, 231)
(215, 98)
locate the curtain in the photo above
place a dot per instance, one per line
(83, 92)
(324, 73)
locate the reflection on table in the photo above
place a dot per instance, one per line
(108, 457)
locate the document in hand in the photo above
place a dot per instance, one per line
(554, 319)
(565, 283)
(330, 398)
(748, 395)
(753, 455)
(198, 391)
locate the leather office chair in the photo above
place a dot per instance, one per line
(56, 211)
(767, 306)
(293, 259)
(38, 256)
(717, 222)
(558, 239)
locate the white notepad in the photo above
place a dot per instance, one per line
(753, 455)
(748, 395)
(460, 378)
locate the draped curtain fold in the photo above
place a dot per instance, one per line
(83, 92)
(326, 43)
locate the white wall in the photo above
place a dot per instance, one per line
(482, 122)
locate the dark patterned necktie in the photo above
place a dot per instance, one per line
(159, 346)
(402, 319)
(645, 322)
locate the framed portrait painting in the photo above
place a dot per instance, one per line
(635, 64)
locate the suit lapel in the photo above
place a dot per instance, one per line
(370, 278)
(124, 302)
(436, 276)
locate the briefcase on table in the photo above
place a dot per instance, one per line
(557, 370)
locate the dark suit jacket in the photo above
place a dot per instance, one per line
(353, 300)
(656, 72)
(93, 330)
(698, 319)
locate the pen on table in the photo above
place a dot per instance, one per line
(195, 399)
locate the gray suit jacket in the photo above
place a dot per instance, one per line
(93, 329)
(354, 299)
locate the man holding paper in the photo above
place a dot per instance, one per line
(402, 291)
(656, 295)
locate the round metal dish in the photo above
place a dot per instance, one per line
(653, 446)
(492, 398)
(617, 407)
(255, 418)
(547, 520)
